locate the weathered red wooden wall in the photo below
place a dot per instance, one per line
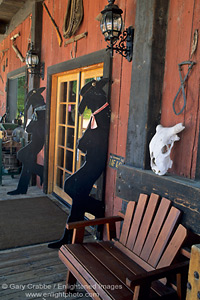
(13, 62)
(183, 19)
(53, 54)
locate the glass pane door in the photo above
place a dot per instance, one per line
(66, 129)
(69, 126)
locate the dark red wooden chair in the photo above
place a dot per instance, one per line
(141, 263)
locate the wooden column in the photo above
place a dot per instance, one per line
(193, 286)
(147, 78)
(36, 39)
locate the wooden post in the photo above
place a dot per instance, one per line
(147, 79)
(193, 285)
(36, 39)
(1, 136)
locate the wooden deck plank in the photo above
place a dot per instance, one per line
(20, 266)
(16, 253)
(31, 266)
(24, 260)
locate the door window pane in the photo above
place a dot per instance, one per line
(72, 91)
(61, 136)
(71, 114)
(70, 138)
(69, 160)
(59, 178)
(60, 161)
(62, 114)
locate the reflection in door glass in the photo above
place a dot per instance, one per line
(72, 91)
(71, 114)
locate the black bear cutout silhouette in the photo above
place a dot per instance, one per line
(94, 144)
(28, 154)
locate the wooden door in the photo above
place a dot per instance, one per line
(67, 126)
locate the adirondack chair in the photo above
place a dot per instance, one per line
(135, 266)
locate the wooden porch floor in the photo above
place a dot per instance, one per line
(33, 272)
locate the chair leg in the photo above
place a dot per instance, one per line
(141, 292)
(70, 282)
(181, 280)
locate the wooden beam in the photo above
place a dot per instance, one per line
(18, 18)
(3, 27)
(36, 39)
(184, 193)
(147, 78)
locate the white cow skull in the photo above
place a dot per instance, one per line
(160, 147)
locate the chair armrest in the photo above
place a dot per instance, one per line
(148, 277)
(99, 221)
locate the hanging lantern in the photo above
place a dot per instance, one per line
(112, 28)
(33, 63)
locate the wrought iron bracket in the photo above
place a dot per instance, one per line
(125, 44)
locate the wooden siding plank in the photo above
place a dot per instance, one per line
(147, 220)
(179, 30)
(155, 228)
(136, 220)
(164, 236)
(127, 222)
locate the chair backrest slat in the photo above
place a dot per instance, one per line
(146, 223)
(137, 219)
(155, 228)
(127, 222)
(149, 234)
(173, 247)
(164, 236)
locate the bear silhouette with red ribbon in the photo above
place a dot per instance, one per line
(94, 144)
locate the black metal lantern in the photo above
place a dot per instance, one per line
(112, 27)
(33, 64)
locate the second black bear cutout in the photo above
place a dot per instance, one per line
(28, 154)
(93, 143)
